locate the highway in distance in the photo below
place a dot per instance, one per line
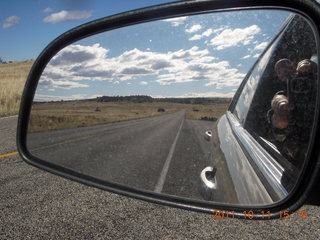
(164, 153)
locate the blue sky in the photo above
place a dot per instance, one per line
(24, 31)
(205, 55)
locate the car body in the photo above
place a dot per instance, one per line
(258, 171)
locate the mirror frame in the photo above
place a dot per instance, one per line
(308, 8)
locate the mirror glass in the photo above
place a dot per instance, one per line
(214, 107)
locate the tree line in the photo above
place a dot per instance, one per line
(149, 99)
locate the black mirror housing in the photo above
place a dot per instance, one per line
(305, 189)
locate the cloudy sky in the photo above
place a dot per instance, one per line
(205, 55)
(26, 27)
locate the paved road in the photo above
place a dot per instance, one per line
(165, 153)
(38, 205)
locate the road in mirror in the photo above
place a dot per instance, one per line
(157, 106)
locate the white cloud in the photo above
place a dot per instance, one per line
(206, 33)
(60, 84)
(48, 98)
(234, 37)
(261, 46)
(79, 54)
(194, 28)
(216, 74)
(47, 10)
(195, 37)
(256, 55)
(207, 94)
(96, 95)
(78, 62)
(199, 94)
(175, 22)
(11, 21)
(143, 83)
(247, 56)
(190, 53)
(65, 16)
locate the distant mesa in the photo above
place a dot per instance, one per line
(149, 99)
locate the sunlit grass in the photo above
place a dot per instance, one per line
(12, 79)
(75, 114)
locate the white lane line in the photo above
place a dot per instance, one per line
(163, 174)
(9, 117)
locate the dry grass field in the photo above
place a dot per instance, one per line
(60, 115)
(12, 80)
(200, 111)
(73, 114)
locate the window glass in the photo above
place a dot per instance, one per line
(246, 96)
(277, 103)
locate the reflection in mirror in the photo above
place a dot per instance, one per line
(146, 106)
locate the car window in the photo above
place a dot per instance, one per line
(244, 102)
(268, 85)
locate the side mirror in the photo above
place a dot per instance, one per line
(183, 104)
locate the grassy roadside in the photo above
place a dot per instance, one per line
(59, 115)
(73, 114)
(12, 80)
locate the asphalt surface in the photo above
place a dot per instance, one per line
(164, 153)
(38, 205)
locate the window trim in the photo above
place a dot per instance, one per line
(267, 168)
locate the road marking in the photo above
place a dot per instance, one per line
(9, 117)
(48, 146)
(163, 174)
(74, 139)
(8, 154)
(66, 141)
(56, 144)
